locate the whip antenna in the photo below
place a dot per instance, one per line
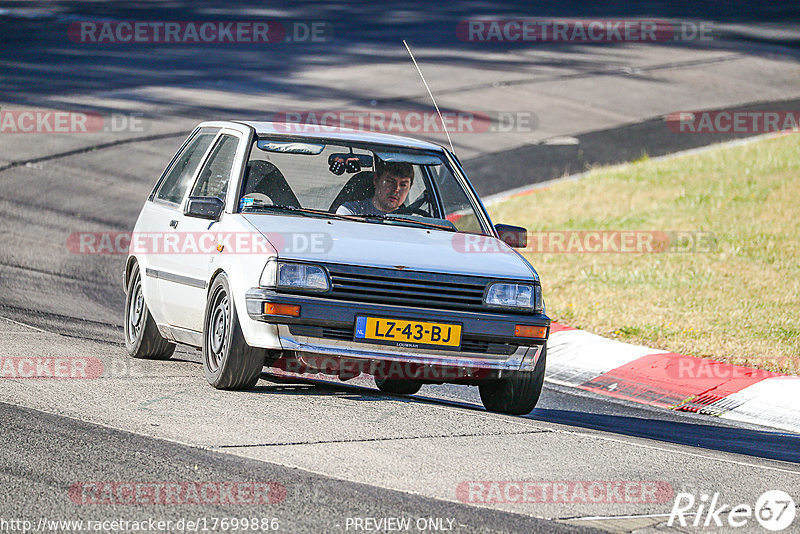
(432, 99)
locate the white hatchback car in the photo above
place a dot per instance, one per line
(333, 251)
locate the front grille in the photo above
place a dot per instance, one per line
(468, 344)
(412, 288)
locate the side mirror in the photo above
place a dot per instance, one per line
(513, 236)
(204, 208)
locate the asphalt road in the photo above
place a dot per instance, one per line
(41, 464)
(341, 450)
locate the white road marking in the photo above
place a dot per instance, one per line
(26, 325)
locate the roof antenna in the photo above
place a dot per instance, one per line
(432, 99)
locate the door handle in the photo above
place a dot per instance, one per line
(173, 223)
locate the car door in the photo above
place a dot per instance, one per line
(183, 284)
(161, 209)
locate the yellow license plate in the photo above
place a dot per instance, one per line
(411, 334)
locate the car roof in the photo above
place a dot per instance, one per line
(307, 131)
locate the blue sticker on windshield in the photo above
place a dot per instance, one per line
(245, 202)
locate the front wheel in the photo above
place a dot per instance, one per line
(142, 338)
(228, 361)
(516, 394)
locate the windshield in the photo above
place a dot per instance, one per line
(365, 183)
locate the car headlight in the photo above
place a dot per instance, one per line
(509, 295)
(289, 275)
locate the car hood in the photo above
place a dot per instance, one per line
(388, 245)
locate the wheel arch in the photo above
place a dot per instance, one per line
(126, 277)
(220, 270)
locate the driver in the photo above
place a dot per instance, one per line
(392, 183)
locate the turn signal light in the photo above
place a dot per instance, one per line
(524, 330)
(281, 309)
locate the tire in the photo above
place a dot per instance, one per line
(142, 338)
(397, 386)
(516, 394)
(228, 361)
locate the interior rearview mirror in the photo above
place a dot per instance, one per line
(204, 208)
(513, 236)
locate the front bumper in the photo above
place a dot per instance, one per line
(325, 328)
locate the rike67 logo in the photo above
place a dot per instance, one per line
(774, 510)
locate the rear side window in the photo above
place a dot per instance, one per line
(180, 175)
(216, 173)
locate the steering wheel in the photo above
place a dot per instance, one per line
(414, 208)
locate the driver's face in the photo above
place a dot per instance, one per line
(390, 191)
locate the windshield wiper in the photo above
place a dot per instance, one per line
(261, 205)
(411, 220)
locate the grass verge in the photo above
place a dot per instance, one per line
(736, 301)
